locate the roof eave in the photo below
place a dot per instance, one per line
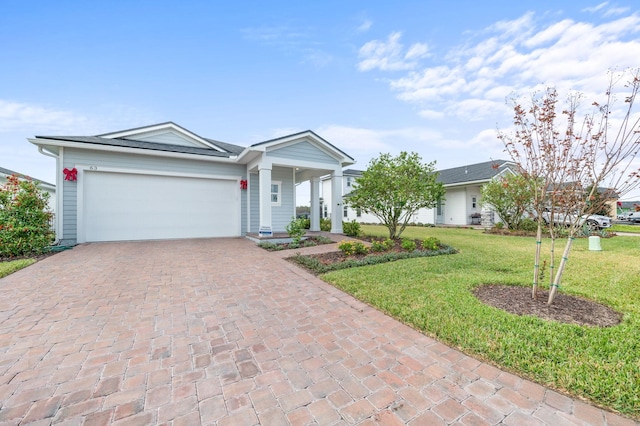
(40, 141)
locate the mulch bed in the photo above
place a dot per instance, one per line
(565, 308)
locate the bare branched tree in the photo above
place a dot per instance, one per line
(568, 160)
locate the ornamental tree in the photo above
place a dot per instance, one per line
(394, 188)
(511, 196)
(24, 218)
(572, 151)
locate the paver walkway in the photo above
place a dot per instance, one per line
(219, 331)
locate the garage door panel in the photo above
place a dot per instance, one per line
(124, 206)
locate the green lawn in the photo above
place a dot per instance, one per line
(434, 295)
(634, 229)
(10, 267)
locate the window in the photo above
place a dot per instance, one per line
(358, 212)
(473, 202)
(325, 211)
(348, 182)
(345, 211)
(276, 193)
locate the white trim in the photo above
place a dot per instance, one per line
(279, 184)
(248, 191)
(60, 195)
(157, 129)
(309, 136)
(80, 228)
(295, 190)
(130, 150)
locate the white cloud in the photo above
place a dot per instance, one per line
(596, 8)
(416, 51)
(511, 57)
(15, 116)
(431, 114)
(388, 55)
(364, 26)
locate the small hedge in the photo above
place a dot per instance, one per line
(314, 265)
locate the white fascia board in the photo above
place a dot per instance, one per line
(127, 150)
(468, 183)
(310, 137)
(158, 128)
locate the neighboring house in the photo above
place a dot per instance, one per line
(164, 181)
(45, 186)
(462, 196)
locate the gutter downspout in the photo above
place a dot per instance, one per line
(58, 228)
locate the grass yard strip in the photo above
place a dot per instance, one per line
(435, 295)
(625, 228)
(12, 266)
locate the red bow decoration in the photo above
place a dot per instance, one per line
(243, 184)
(70, 174)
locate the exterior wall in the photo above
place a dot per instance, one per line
(472, 192)
(325, 193)
(74, 157)
(455, 209)
(302, 151)
(280, 215)
(168, 138)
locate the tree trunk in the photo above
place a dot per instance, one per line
(558, 277)
(536, 265)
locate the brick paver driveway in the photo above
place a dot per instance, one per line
(221, 332)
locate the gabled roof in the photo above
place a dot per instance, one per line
(154, 138)
(458, 175)
(129, 143)
(300, 135)
(8, 172)
(475, 172)
(351, 172)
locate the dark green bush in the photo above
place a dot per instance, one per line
(24, 218)
(431, 243)
(351, 229)
(528, 225)
(408, 245)
(314, 265)
(325, 225)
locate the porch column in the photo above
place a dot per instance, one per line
(315, 204)
(265, 199)
(336, 199)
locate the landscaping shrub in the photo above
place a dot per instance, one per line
(350, 248)
(24, 219)
(306, 223)
(325, 225)
(378, 246)
(314, 265)
(528, 225)
(431, 243)
(351, 229)
(296, 229)
(409, 245)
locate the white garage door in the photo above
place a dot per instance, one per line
(123, 206)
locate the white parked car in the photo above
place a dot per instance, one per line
(593, 221)
(625, 216)
(634, 217)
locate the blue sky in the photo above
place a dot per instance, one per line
(368, 76)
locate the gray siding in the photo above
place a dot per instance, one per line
(74, 157)
(170, 138)
(280, 215)
(303, 151)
